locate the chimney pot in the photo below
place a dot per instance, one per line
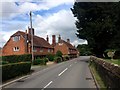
(59, 39)
(30, 31)
(68, 40)
(47, 39)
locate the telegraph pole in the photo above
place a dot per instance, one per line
(31, 36)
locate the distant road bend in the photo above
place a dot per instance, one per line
(74, 73)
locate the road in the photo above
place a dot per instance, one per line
(74, 73)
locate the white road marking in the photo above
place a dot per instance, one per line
(70, 65)
(48, 84)
(62, 72)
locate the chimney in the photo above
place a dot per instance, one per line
(59, 39)
(68, 40)
(53, 40)
(26, 31)
(47, 39)
(29, 31)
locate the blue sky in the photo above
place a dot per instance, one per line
(49, 17)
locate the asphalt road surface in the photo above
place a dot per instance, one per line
(74, 73)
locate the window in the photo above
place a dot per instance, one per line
(60, 44)
(16, 49)
(41, 50)
(48, 50)
(16, 38)
(34, 49)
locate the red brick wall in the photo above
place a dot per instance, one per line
(44, 52)
(62, 47)
(8, 48)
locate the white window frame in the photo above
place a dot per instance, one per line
(49, 50)
(16, 38)
(16, 49)
(41, 50)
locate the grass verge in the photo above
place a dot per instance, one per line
(98, 78)
(115, 61)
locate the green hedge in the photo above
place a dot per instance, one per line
(57, 59)
(40, 61)
(15, 69)
(66, 57)
(50, 57)
(17, 58)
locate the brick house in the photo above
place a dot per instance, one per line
(20, 43)
(64, 46)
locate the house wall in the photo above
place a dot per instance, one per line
(62, 47)
(8, 48)
(43, 51)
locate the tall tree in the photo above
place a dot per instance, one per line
(96, 22)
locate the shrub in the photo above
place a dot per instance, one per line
(59, 53)
(50, 57)
(40, 61)
(17, 58)
(15, 69)
(57, 59)
(66, 57)
(3, 62)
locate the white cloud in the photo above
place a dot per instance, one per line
(10, 9)
(61, 23)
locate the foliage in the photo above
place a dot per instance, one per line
(84, 50)
(66, 57)
(97, 22)
(17, 58)
(57, 59)
(59, 53)
(40, 61)
(3, 62)
(50, 57)
(15, 69)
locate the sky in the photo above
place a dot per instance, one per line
(50, 17)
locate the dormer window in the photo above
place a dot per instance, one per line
(16, 38)
(16, 49)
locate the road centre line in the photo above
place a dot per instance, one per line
(48, 84)
(62, 72)
(70, 65)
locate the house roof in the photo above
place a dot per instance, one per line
(37, 41)
(68, 44)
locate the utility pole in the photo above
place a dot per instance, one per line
(31, 35)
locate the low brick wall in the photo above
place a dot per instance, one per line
(109, 72)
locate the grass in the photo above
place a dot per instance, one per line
(115, 61)
(98, 78)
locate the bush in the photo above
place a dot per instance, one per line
(57, 59)
(40, 61)
(50, 57)
(17, 58)
(59, 53)
(15, 69)
(66, 57)
(3, 62)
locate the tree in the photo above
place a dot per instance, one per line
(59, 53)
(84, 50)
(97, 22)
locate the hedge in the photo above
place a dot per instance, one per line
(50, 57)
(17, 58)
(57, 59)
(15, 69)
(40, 61)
